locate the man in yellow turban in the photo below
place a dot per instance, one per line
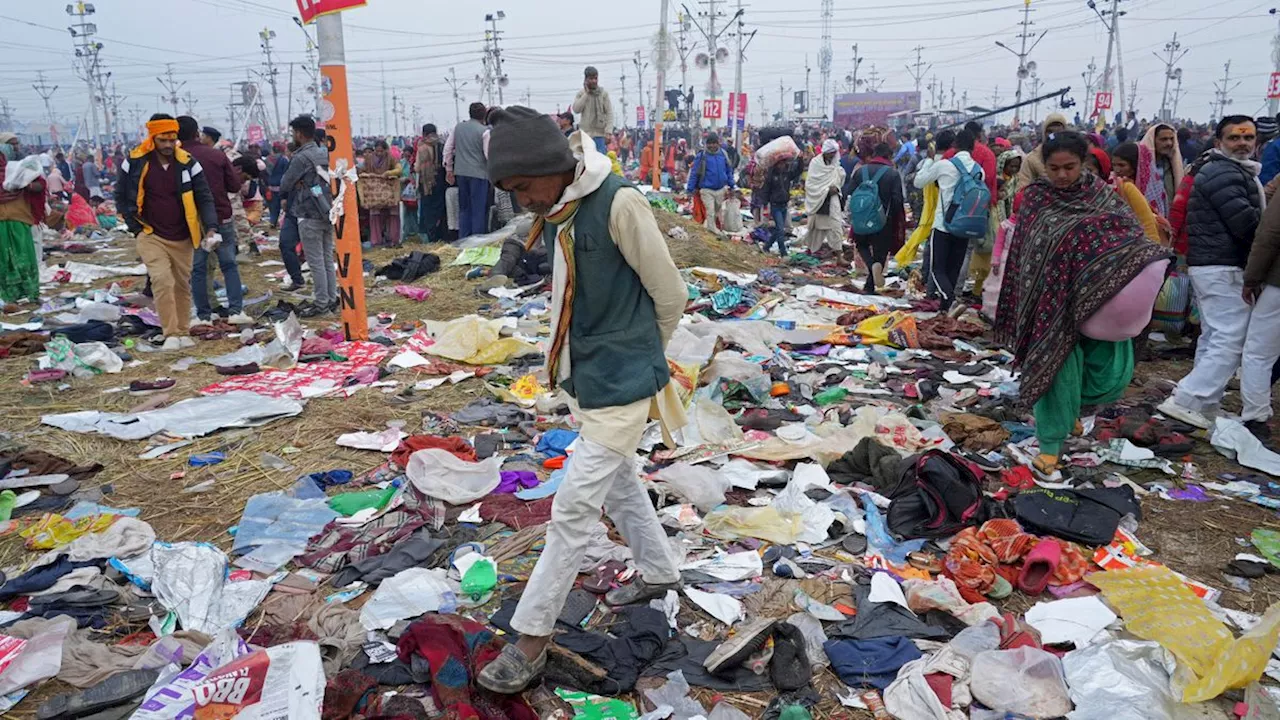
(166, 203)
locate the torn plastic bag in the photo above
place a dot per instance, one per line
(277, 518)
(39, 657)
(879, 540)
(82, 359)
(1125, 680)
(675, 695)
(733, 366)
(441, 475)
(472, 339)
(712, 424)
(815, 518)
(1232, 439)
(408, 594)
(942, 594)
(1024, 680)
(191, 580)
(282, 681)
(764, 523)
(688, 348)
(171, 696)
(699, 485)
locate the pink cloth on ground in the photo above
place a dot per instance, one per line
(1125, 315)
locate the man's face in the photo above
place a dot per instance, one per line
(298, 139)
(1239, 140)
(828, 157)
(592, 81)
(381, 152)
(166, 143)
(713, 147)
(206, 139)
(431, 137)
(1166, 138)
(563, 122)
(537, 193)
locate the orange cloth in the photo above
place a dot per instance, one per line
(157, 127)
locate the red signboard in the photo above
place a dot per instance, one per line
(1102, 101)
(737, 106)
(310, 9)
(640, 115)
(1273, 90)
(712, 109)
(255, 134)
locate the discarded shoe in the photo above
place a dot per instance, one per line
(246, 369)
(1039, 567)
(115, 690)
(735, 651)
(637, 592)
(511, 671)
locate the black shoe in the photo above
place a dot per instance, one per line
(294, 286)
(1260, 429)
(334, 306)
(310, 310)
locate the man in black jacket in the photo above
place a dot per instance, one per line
(1222, 216)
(874, 247)
(166, 203)
(777, 192)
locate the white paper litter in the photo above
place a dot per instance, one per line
(729, 566)
(1231, 438)
(722, 607)
(386, 441)
(1074, 620)
(886, 589)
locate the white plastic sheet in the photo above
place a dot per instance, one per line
(724, 608)
(1125, 680)
(84, 273)
(1073, 620)
(729, 566)
(190, 579)
(1024, 680)
(408, 593)
(442, 475)
(699, 485)
(39, 659)
(193, 417)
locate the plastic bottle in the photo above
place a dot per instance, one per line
(8, 499)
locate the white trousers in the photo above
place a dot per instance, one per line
(1261, 350)
(597, 477)
(1224, 321)
(713, 200)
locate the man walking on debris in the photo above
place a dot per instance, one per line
(592, 103)
(616, 298)
(464, 159)
(165, 200)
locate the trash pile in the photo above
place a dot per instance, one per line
(860, 528)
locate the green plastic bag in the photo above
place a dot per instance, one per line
(1268, 543)
(350, 503)
(480, 579)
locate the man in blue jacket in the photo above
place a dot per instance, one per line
(712, 177)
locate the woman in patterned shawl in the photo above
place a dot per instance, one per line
(1079, 284)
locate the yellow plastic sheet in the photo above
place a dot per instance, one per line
(1156, 605)
(53, 530)
(895, 328)
(911, 247)
(473, 340)
(765, 523)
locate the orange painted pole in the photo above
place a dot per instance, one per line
(335, 112)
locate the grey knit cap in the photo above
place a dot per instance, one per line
(523, 141)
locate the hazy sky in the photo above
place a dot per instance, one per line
(212, 43)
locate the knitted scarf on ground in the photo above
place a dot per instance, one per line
(1073, 249)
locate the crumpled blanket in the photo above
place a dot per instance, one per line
(974, 432)
(339, 633)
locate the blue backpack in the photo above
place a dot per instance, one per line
(866, 213)
(966, 215)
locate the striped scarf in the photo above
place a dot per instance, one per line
(563, 220)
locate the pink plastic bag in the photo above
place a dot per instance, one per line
(413, 293)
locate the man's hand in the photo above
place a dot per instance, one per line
(1250, 294)
(449, 178)
(1270, 188)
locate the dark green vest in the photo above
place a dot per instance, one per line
(615, 348)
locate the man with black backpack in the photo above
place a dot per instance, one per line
(963, 202)
(711, 176)
(876, 213)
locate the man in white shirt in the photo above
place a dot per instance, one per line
(946, 251)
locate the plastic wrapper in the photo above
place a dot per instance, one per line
(1124, 680)
(764, 523)
(815, 518)
(942, 594)
(699, 485)
(408, 594)
(880, 541)
(1156, 605)
(473, 340)
(1024, 680)
(971, 641)
(22, 173)
(171, 696)
(675, 695)
(80, 359)
(731, 215)
(442, 475)
(191, 580)
(713, 425)
(282, 681)
(27, 662)
(1231, 438)
(896, 328)
(732, 366)
(780, 148)
(689, 348)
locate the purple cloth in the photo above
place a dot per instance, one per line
(513, 480)
(1194, 493)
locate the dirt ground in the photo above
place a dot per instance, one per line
(1196, 539)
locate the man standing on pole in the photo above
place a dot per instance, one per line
(616, 298)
